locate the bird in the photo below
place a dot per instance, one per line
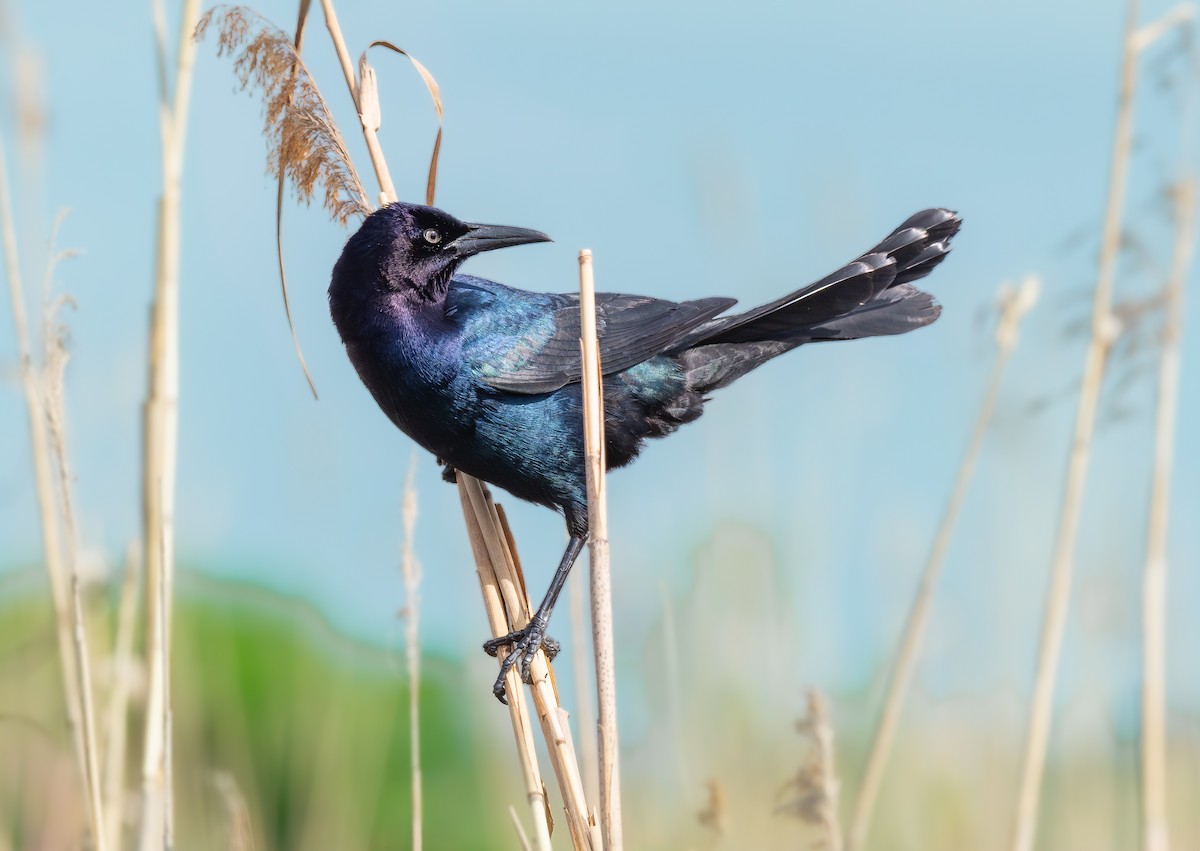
(487, 377)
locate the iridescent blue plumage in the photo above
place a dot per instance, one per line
(486, 376)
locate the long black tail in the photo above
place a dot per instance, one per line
(870, 297)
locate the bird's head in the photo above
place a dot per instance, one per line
(412, 249)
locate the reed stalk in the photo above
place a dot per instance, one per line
(1104, 330)
(43, 475)
(602, 632)
(56, 427)
(1155, 832)
(411, 571)
(161, 422)
(116, 713)
(1013, 306)
(501, 580)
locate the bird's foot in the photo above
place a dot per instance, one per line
(449, 474)
(525, 644)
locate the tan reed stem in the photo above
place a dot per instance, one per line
(1155, 833)
(412, 651)
(1103, 334)
(501, 582)
(43, 476)
(602, 632)
(161, 425)
(116, 714)
(1013, 306)
(367, 117)
(584, 722)
(56, 425)
(469, 493)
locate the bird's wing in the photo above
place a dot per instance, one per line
(529, 343)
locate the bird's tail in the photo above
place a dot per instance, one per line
(870, 297)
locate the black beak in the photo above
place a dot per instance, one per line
(489, 237)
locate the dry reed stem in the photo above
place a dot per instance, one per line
(491, 544)
(370, 128)
(602, 632)
(1103, 333)
(43, 476)
(411, 571)
(56, 424)
(1013, 306)
(494, 531)
(521, 835)
(1155, 833)
(816, 785)
(116, 717)
(298, 46)
(584, 722)
(160, 428)
(517, 708)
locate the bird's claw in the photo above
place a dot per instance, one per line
(449, 474)
(525, 643)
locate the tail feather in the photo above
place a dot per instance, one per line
(907, 254)
(871, 297)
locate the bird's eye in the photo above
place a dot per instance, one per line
(432, 236)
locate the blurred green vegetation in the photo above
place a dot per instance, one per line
(288, 735)
(280, 723)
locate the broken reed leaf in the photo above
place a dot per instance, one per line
(435, 94)
(298, 45)
(306, 146)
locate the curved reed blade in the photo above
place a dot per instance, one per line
(434, 93)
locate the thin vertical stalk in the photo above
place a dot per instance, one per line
(501, 581)
(160, 424)
(56, 426)
(518, 710)
(584, 721)
(43, 476)
(1155, 834)
(1013, 305)
(370, 127)
(412, 650)
(116, 720)
(1102, 336)
(602, 632)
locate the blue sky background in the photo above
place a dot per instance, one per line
(698, 149)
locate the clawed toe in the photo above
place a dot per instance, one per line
(525, 644)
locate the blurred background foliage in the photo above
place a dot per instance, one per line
(698, 149)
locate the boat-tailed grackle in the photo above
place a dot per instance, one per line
(487, 377)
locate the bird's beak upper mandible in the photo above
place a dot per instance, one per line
(488, 237)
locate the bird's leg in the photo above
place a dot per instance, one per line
(526, 641)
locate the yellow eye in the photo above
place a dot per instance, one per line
(432, 236)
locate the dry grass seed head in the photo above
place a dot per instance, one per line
(307, 147)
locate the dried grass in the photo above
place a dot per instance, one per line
(815, 788)
(306, 146)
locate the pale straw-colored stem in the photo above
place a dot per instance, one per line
(160, 430)
(602, 631)
(1103, 333)
(116, 717)
(585, 723)
(500, 579)
(518, 710)
(412, 650)
(1014, 304)
(522, 836)
(556, 730)
(43, 475)
(370, 128)
(56, 425)
(1155, 834)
